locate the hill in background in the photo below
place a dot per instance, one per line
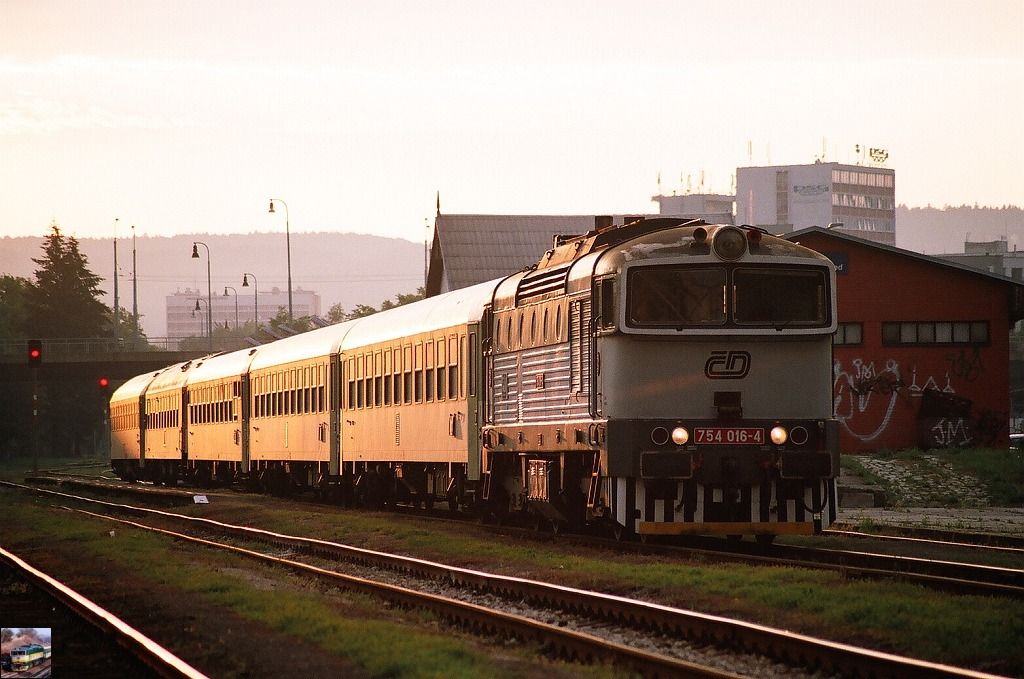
(353, 269)
(343, 268)
(935, 231)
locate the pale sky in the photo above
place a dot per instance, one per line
(184, 117)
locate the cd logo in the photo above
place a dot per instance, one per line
(727, 365)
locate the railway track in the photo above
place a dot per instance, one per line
(601, 610)
(151, 655)
(927, 536)
(951, 576)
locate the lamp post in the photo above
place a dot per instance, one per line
(255, 297)
(209, 315)
(288, 249)
(209, 286)
(235, 293)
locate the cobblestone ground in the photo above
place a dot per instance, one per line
(929, 493)
(927, 485)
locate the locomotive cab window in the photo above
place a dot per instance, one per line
(780, 297)
(673, 297)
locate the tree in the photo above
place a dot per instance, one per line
(13, 307)
(336, 314)
(64, 300)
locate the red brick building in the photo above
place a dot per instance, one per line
(921, 356)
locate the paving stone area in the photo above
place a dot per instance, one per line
(927, 485)
(928, 494)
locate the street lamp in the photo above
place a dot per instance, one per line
(235, 293)
(209, 286)
(255, 297)
(288, 246)
(209, 314)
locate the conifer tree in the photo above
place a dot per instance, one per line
(64, 300)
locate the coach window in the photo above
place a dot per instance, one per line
(470, 375)
(442, 372)
(429, 369)
(386, 369)
(407, 375)
(417, 374)
(360, 384)
(558, 323)
(397, 376)
(453, 367)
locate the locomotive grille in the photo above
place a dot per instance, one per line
(540, 283)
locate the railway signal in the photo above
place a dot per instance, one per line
(103, 382)
(35, 352)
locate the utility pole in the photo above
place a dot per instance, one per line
(117, 310)
(135, 294)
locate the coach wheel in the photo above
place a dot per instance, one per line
(765, 540)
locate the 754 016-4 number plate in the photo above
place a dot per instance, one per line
(751, 436)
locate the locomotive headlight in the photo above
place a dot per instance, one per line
(680, 436)
(730, 243)
(779, 435)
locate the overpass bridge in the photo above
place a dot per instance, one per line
(93, 358)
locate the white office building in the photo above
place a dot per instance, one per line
(856, 199)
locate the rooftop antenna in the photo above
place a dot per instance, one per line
(750, 151)
(659, 182)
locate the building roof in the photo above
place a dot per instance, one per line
(471, 249)
(1016, 290)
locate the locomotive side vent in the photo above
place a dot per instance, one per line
(540, 283)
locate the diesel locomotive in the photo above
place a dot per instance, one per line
(664, 377)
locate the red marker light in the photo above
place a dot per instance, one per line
(35, 353)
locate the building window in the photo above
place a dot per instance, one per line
(935, 332)
(849, 333)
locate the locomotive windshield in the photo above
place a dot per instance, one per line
(779, 297)
(674, 296)
(694, 297)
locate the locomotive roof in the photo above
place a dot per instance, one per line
(679, 242)
(219, 366)
(135, 387)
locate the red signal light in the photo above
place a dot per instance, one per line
(104, 382)
(35, 352)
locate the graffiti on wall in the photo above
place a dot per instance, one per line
(866, 396)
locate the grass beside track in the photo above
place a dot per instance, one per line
(375, 640)
(971, 631)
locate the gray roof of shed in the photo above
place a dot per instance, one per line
(478, 248)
